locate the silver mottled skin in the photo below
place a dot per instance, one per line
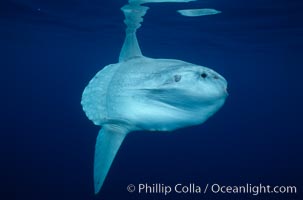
(144, 95)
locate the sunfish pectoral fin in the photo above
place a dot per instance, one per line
(108, 142)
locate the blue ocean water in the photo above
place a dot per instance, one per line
(53, 48)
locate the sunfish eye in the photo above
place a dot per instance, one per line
(203, 75)
(177, 78)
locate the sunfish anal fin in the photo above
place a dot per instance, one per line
(108, 142)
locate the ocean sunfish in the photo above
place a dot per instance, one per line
(141, 93)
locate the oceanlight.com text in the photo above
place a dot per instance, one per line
(215, 188)
(253, 189)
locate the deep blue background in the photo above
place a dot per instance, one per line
(51, 49)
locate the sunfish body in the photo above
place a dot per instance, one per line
(140, 93)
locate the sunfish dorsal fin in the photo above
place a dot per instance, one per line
(134, 14)
(133, 17)
(108, 142)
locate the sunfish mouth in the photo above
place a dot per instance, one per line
(226, 92)
(217, 78)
